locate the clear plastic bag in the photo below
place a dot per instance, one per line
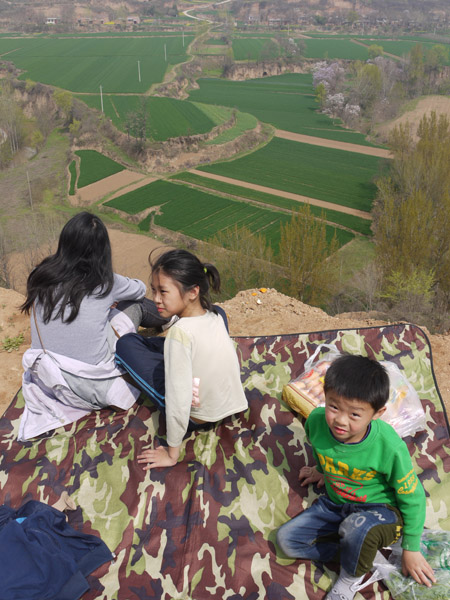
(404, 409)
(305, 393)
(435, 546)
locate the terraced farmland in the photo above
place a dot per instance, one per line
(167, 117)
(285, 101)
(95, 166)
(82, 65)
(336, 176)
(335, 48)
(248, 49)
(201, 215)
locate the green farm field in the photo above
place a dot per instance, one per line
(167, 117)
(201, 215)
(82, 65)
(285, 101)
(95, 166)
(335, 48)
(247, 49)
(352, 222)
(403, 47)
(337, 176)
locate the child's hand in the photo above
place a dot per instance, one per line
(159, 457)
(414, 564)
(310, 475)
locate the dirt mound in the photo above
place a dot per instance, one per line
(251, 312)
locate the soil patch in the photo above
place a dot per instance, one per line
(439, 104)
(96, 191)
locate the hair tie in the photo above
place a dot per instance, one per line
(205, 269)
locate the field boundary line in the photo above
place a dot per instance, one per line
(290, 195)
(336, 145)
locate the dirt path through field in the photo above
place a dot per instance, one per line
(298, 197)
(121, 183)
(326, 143)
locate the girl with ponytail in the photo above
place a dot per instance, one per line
(192, 375)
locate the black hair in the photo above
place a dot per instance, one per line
(188, 271)
(82, 263)
(359, 378)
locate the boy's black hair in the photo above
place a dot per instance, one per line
(359, 378)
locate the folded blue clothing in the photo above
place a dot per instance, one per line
(42, 557)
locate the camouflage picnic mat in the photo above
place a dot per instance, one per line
(205, 529)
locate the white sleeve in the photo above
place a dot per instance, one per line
(178, 376)
(127, 289)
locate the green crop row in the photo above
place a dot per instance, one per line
(337, 176)
(352, 222)
(244, 122)
(202, 215)
(95, 166)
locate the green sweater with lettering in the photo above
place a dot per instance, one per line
(378, 469)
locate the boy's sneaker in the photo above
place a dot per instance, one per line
(345, 587)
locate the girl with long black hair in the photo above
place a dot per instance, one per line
(70, 368)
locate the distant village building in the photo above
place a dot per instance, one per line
(52, 20)
(133, 20)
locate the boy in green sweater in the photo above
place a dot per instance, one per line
(373, 494)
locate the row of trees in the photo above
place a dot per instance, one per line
(412, 223)
(300, 269)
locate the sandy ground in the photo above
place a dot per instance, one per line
(439, 104)
(122, 182)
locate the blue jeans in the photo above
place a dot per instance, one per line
(355, 531)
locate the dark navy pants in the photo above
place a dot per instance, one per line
(143, 359)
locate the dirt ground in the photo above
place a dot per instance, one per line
(439, 104)
(250, 312)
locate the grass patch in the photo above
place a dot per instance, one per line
(95, 166)
(244, 122)
(73, 177)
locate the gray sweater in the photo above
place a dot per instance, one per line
(86, 338)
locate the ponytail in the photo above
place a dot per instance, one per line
(188, 271)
